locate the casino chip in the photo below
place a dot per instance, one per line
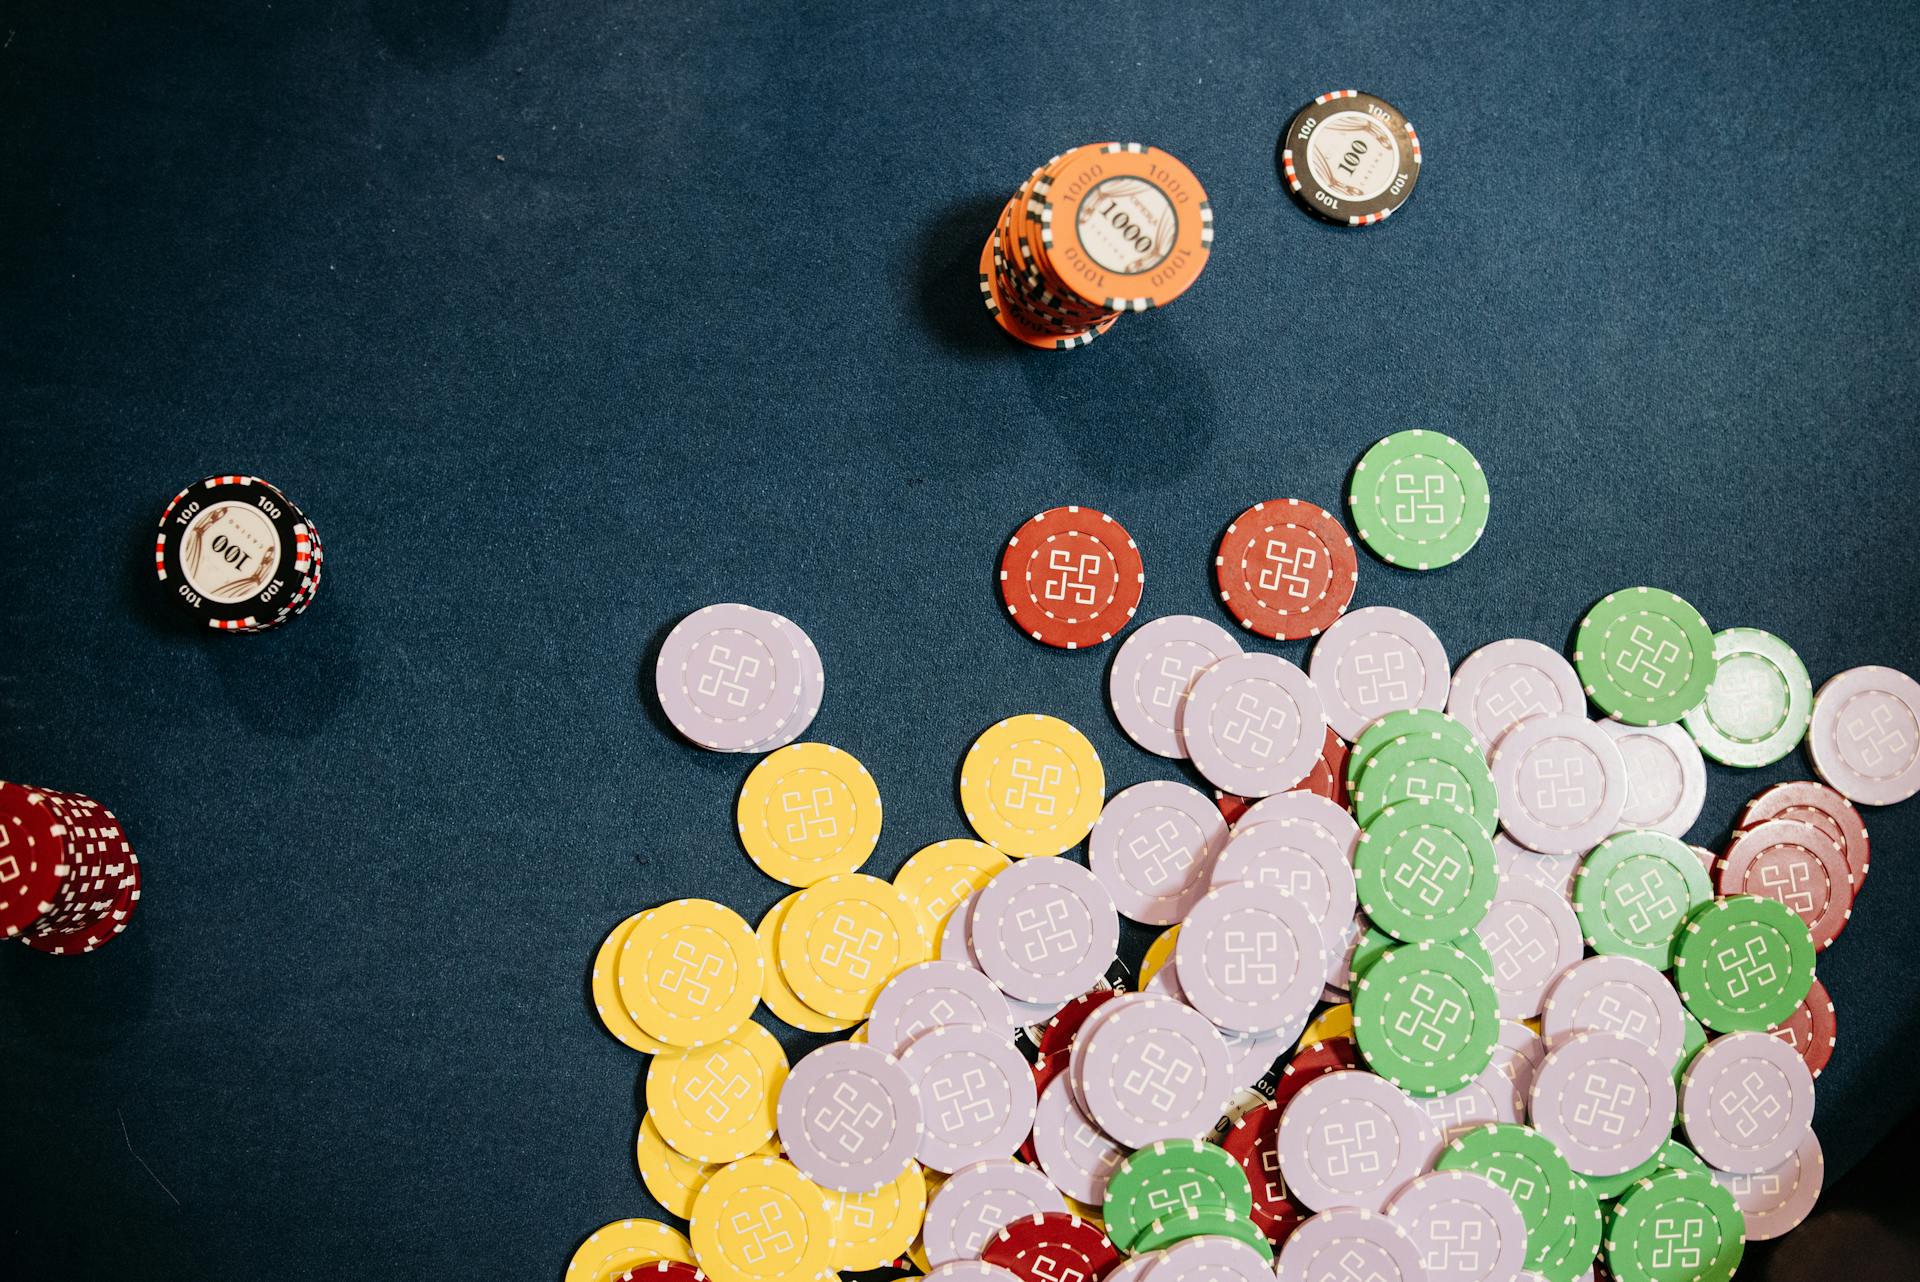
(1074, 1153)
(237, 554)
(1616, 995)
(931, 995)
(1425, 870)
(1634, 891)
(612, 1249)
(1865, 735)
(776, 994)
(1812, 1030)
(978, 1092)
(878, 1228)
(1426, 1018)
(1152, 672)
(967, 1211)
(1606, 1099)
(735, 679)
(1149, 1068)
(1286, 569)
(1666, 777)
(761, 1220)
(1794, 864)
(1532, 936)
(1152, 848)
(69, 879)
(1743, 963)
(1376, 661)
(1819, 805)
(1307, 861)
(1533, 1171)
(1419, 500)
(1350, 1242)
(690, 972)
(850, 1117)
(1467, 1228)
(1432, 767)
(1071, 577)
(1049, 1246)
(1350, 158)
(1032, 785)
(1253, 724)
(1645, 656)
(1500, 685)
(1167, 1179)
(1675, 1206)
(1562, 784)
(1773, 1202)
(1350, 1138)
(807, 812)
(1759, 704)
(1252, 958)
(842, 939)
(715, 1103)
(1746, 1102)
(936, 878)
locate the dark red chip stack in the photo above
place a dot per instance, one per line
(69, 880)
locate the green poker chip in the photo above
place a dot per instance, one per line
(1425, 870)
(1759, 703)
(1674, 1207)
(1404, 723)
(1633, 893)
(1167, 1179)
(1431, 766)
(1426, 1017)
(1531, 1167)
(1645, 656)
(1202, 1221)
(1372, 945)
(1673, 1156)
(1743, 964)
(1419, 500)
(1693, 1040)
(1573, 1255)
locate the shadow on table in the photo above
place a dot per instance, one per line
(1865, 1228)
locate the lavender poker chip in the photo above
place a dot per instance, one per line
(849, 1116)
(1303, 860)
(1252, 957)
(1212, 1259)
(1347, 1243)
(1500, 685)
(1152, 848)
(1375, 661)
(954, 943)
(976, 1095)
(730, 678)
(1666, 776)
(813, 688)
(964, 1213)
(1555, 872)
(1488, 1098)
(1045, 930)
(1077, 1054)
(1616, 995)
(1746, 1102)
(1774, 1201)
(1561, 783)
(1517, 1057)
(1334, 820)
(1076, 1155)
(971, 1271)
(1532, 935)
(1153, 671)
(1253, 724)
(1153, 1070)
(1349, 1138)
(1606, 1100)
(1865, 735)
(1252, 1055)
(1467, 1228)
(932, 995)
(1135, 1268)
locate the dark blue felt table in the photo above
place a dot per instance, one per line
(564, 319)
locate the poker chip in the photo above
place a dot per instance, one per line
(937, 877)
(1404, 723)
(1812, 1030)
(1773, 1202)
(850, 1117)
(970, 1271)
(1794, 864)
(1865, 735)
(1607, 1100)
(1746, 1102)
(1169, 1178)
(965, 1213)
(612, 1249)
(1152, 672)
(1562, 784)
(1428, 767)
(237, 554)
(1149, 1068)
(808, 811)
(1487, 1099)
(1671, 1156)
(1616, 995)
(1684, 1206)
(843, 938)
(69, 878)
(1045, 930)
(1500, 685)
(1253, 724)
(1466, 1227)
(732, 678)
(1350, 1242)
(1375, 661)
(1208, 1223)
(604, 982)
(1759, 704)
(1532, 936)
(1048, 1245)
(1350, 158)
(1032, 785)
(1666, 777)
(715, 1103)
(977, 1091)
(877, 1228)
(1337, 830)
(1426, 1018)
(775, 993)
(1645, 656)
(1286, 569)
(1814, 803)
(1152, 848)
(1074, 1153)
(761, 1219)
(1743, 964)
(672, 1177)
(1633, 893)
(1554, 873)
(1252, 958)
(1438, 527)
(1425, 870)
(663, 1271)
(1308, 863)
(931, 995)
(690, 972)
(1349, 1138)
(1530, 1168)
(1207, 1258)
(1071, 577)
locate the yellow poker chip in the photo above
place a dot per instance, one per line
(858, 1035)
(1157, 954)
(1091, 1214)
(936, 878)
(626, 1244)
(778, 996)
(690, 972)
(606, 992)
(877, 1228)
(807, 812)
(844, 938)
(672, 1177)
(1334, 1021)
(760, 1220)
(1032, 785)
(716, 1103)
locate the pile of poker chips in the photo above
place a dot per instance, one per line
(238, 554)
(1437, 965)
(69, 880)
(1350, 158)
(1096, 231)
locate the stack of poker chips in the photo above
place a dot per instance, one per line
(69, 880)
(1097, 231)
(238, 554)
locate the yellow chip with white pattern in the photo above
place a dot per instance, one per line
(1158, 952)
(1334, 1021)
(691, 972)
(844, 938)
(760, 1220)
(936, 878)
(778, 996)
(807, 812)
(1032, 785)
(606, 992)
(626, 1244)
(877, 1228)
(716, 1103)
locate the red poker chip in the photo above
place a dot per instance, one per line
(1254, 1142)
(1816, 804)
(1286, 569)
(1812, 1029)
(1231, 806)
(664, 1271)
(100, 927)
(1324, 1057)
(1328, 778)
(33, 843)
(1795, 864)
(1050, 1245)
(1071, 577)
(1057, 1037)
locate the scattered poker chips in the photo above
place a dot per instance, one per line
(1760, 701)
(1096, 231)
(735, 679)
(1865, 735)
(237, 554)
(1350, 158)
(69, 879)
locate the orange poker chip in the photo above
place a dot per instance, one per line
(1126, 226)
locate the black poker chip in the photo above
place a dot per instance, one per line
(1350, 158)
(237, 553)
